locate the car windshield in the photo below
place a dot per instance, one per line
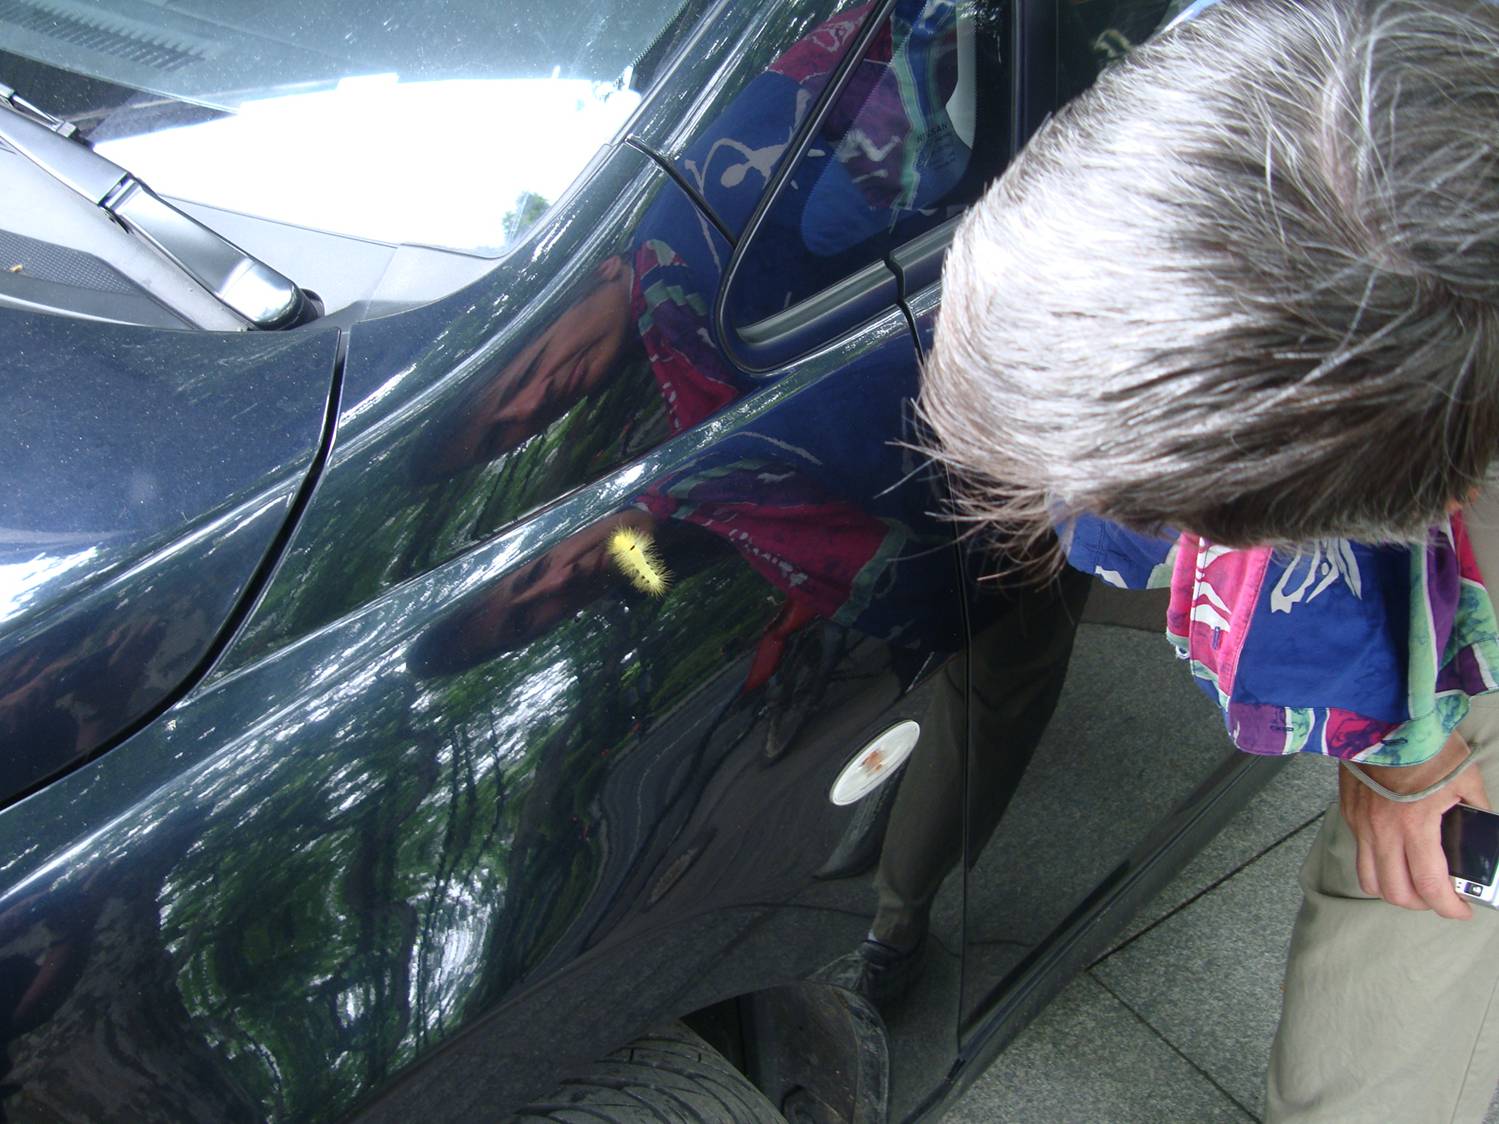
(443, 122)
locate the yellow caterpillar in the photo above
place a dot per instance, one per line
(635, 554)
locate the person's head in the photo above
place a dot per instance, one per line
(1247, 285)
(526, 603)
(565, 361)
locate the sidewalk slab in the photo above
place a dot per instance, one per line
(1087, 1058)
(1208, 977)
(1303, 789)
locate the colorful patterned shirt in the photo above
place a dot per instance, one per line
(1359, 652)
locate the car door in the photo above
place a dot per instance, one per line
(810, 286)
(1066, 717)
(1091, 757)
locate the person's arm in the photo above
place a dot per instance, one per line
(1400, 856)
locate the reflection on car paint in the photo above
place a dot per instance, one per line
(465, 416)
(559, 400)
(448, 816)
(730, 165)
(425, 779)
(883, 165)
(149, 472)
(428, 779)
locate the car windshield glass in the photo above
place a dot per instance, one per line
(444, 122)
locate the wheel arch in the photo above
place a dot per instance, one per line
(817, 1051)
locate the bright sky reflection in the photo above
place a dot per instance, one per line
(438, 163)
(21, 581)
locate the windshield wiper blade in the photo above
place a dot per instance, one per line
(251, 289)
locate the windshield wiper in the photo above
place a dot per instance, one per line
(246, 285)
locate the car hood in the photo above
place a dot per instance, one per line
(148, 476)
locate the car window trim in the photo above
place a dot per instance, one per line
(774, 352)
(918, 263)
(847, 302)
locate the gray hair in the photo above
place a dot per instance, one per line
(1247, 284)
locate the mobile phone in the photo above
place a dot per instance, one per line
(1470, 838)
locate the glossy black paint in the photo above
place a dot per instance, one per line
(403, 857)
(468, 802)
(148, 474)
(442, 733)
(1040, 733)
(449, 432)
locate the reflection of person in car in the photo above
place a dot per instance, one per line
(761, 493)
(823, 550)
(644, 303)
(529, 601)
(552, 372)
(899, 154)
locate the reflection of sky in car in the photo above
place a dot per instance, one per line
(468, 152)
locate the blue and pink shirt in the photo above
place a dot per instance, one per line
(1367, 653)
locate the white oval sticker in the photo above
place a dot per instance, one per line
(876, 763)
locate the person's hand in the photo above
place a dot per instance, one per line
(1400, 855)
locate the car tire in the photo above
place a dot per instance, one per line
(666, 1076)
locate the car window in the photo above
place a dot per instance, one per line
(919, 127)
(440, 122)
(753, 126)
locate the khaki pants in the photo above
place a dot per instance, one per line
(1391, 1015)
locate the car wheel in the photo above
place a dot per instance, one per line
(666, 1076)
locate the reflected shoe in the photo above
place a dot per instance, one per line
(889, 972)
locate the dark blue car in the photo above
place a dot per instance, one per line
(478, 635)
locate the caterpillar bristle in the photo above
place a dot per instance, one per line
(634, 552)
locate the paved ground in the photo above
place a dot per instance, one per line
(1174, 1023)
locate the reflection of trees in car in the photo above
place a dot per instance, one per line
(529, 207)
(462, 834)
(464, 831)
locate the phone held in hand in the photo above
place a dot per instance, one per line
(1470, 837)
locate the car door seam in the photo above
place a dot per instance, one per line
(686, 185)
(255, 586)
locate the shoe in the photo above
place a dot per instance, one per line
(889, 972)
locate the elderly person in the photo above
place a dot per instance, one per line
(1231, 324)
